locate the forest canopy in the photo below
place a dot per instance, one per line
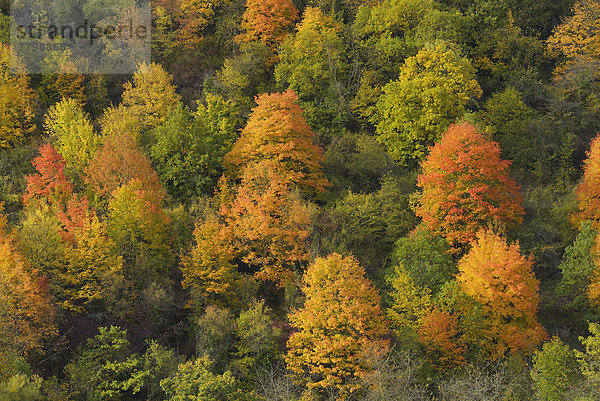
(305, 200)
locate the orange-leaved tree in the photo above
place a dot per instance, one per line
(588, 204)
(26, 311)
(466, 186)
(588, 191)
(268, 21)
(119, 161)
(578, 37)
(268, 223)
(277, 131)
(438, 332)
(501, 280)
(340, 323)
(49, 184)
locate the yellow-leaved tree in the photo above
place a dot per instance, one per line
(92, 280)
(72, 129)
(150, 96)
(432, 91)
(340, 323)
(208, 271)
(410, 302)
(17, 100)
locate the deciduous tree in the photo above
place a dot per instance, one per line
(74, 134)
(312, 55)
(577, 267)
(26, 311)
(277, 131)
(466, 186)
(188, 150)
(92, 280)
(555, 370)
(409, 301)
(119, 161)
(589, 361)
(426, 258)
(432, 91)
(312, 64)
(140, 232)
(578, 37)
(268, 223)
(208, 270)
(17, 100)
(106, 369)
(268, 21)
(194, 380)
(340, 322)
(588, 191)
(50, 183)
(259, 339)
(438, 332)
(150, 96)
(498, 277)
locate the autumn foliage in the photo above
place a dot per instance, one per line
(50, 182)
(439, 333)
(588, 204)
(433, 90)
(119, 161)
(26, 310)
(208, 271)
(410, 302)
(194, 17)
(17, 99)
(340, 322)
(578, 37)
(466, 186)
(268, 21)
(593, 289)
(588, 192)
(150, 96)
(139, 228)
(268, 223)
(498, 277)
(91, 272)
(277, 131)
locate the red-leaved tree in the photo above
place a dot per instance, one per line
(50, 182)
